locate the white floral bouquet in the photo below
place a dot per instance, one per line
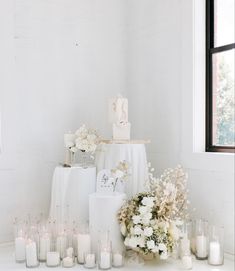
(120, 173)
(84, 139)
(149, 221)
(87, 139)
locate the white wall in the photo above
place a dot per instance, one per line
(161, 83)
(60, 61)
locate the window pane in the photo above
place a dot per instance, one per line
(223, 99)
(224, 22)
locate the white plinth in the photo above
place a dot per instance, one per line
(103, 209)
(110, 154)
(72, 187)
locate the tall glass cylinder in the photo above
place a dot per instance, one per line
(31, 252)
(83, 242)
(44, 244)
(185, 239)
(20, 241)
(216, 245)
(201, 239)
(104, 252)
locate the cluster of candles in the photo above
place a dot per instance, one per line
(54, 243)
(203, 240)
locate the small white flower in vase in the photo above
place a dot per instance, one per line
(120, 174)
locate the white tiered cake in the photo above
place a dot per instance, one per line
(118, 116)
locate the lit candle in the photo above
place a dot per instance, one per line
(31, 254)
(117, 259)
(44, 246)
(20, 249)
(53, 258)
(89, 260)
(187, 262)
(84, 245)
(68, 262)
(201, 246)
(215, 253)
(105, 260)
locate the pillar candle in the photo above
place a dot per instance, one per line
(20, 249)
(105, 260)
(201, 246)
(44, 247)
(61, 243)
(117, 259)
(68, 262)
(84, 245)
(53, 258)
(215, 257)
(31, 254)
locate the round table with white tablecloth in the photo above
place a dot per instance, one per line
(110, 154)
(71, 187)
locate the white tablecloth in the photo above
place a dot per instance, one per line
(70, 192)
(109, 155)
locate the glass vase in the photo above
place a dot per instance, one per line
(85, 159)
(201, 239)
(31, 252)
(20, 241)
(216, 246)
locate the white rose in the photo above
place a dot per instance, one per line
(74, 149)
(162, 247)
(136, 219)
(133, 242)
(143, 210)
(150, 244)
(137, 230)
(148, 201)
(119, 174)
(141, 241)
(148, 231)
(146, 218)
(163, 256)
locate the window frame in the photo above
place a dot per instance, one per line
(210, 50)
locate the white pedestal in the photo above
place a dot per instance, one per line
(110, 154)
(71, 188)
(103, 209)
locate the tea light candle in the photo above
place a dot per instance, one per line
(20, 249)
(105, 260)
(68, 262)
(44, 247)
(53, 258)
(214, 253)
(84, 245)
(117, 259)
(89, 260)
(31, 254)
(187, 262)
(201, 246)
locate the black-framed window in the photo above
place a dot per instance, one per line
(220, 93)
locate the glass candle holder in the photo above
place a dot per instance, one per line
(68, 260)
(20, 244)
(61, 243)
(216, 245)
(89, 260)
(193, 239)
(186, 233)
(187, 261)
(104, 255)
(44, 245)
(201, 239)
(118, 259)
(53, 256)
(31, 253)
(83, 243)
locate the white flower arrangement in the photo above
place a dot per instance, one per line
(150, 221)
(84, 139)
(120, 173)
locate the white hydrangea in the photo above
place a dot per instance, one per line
(136, 219)
(138, 230)
(148, 231)
(148, 201)
(150, 244)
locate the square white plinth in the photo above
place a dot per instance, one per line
(121, 131)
